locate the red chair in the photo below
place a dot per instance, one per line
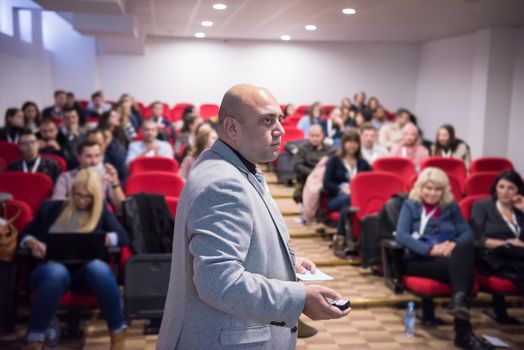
(83, 104)
(480, 183)
(28, 187)
(291, 134)
(495, 164)
(147, 164)
(158, 182)
(456, 187)
(369, 192)
(301, 110)
(326, 109)
(451, 166)
(178, 111)
(466, 204)
(172, 204)
(12, 206)
(3, 165)
(208, 111)
(9, 152)
(402, 167)
(290, 122)
(59, 160)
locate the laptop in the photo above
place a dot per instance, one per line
(74, 248)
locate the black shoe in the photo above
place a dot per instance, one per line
(469, 341)
(305, 331)
(459, 306)
(339, 246)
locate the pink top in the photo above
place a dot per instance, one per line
(417, 153)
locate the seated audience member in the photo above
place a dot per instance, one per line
(359, 120)
(32, 116)
(72, 103)
(52, 141)
(379, 118)
(346, 102)
(498, 223)
(14, 124)
(289, 110)
(114, 153)
(359, 102)
(439, 245)
(371, 107)
(167, 131)
(89, 155)
(186, 138)
(448, 146)
(150, 146)
(371, 150)
(391, 133)
(334, 127)
(410, 146)
(311, 118)
(55, 111)
(71, 129)
(308, 156)
(206, 137)
(111, 120)
(83, 212)
(31, 161)
(340, 169)
(97, 106)
(130, 111)
(128, 120)
(347, 116)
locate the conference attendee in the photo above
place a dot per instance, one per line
(84, 212)
(72, 103)
(31, 161)
(371, 107)
(340, 169)
(187, 136)
(52, 141)
(55, 111)
(13, 125)
(97, 106)
(205, 139)
(126, 116)
(32, 116)
(111, 120)
(410, 146)
(312, 117)
(359, 102)
(90, 156)
(166, 130)
(498, 223)
(346, 102)
(439, 245)
(71, 128)
(391, 133)
(334, 127)
(371, 150)
(233, 277)
(114, 153)
(308, 156)
(359, 120)
(289, 110)
(379, 118)
(129, 113)
(448, 146)
(150, 146)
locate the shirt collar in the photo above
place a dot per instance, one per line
(250, 166)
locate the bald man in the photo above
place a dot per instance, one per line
(233, 283)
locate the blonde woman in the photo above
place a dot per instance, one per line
(204, 140)
(84, 212)
(439, 246)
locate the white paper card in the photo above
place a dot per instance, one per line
(495, 341)
(317, 276)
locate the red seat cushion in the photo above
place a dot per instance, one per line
(426, 286)
(77, 299)
(495, 284)
(333, 215)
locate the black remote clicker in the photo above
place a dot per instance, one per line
(341, 304)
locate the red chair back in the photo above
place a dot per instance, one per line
(172, 204)
(28, 187)
(147, 164)
(158, 182)
(450, 166)
(480, 183)
(466, 204)
(494, 164)
(9, 152)
(208, 111)
(3, 165)
(12, 206)
(402, 167)
(59, 160)
(456, 187)
(326, 109)
(301, 110)
(178, 111)
(292, 134)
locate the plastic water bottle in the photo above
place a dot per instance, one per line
(409, 320)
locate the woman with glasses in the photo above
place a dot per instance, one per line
(83, 212)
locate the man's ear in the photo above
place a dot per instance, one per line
(231, 128)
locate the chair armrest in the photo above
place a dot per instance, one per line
(391, 244)
(392, 258)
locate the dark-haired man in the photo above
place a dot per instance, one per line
(55, 111)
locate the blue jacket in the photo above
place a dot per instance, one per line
(449, 221)
(336, 173)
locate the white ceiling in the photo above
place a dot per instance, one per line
(375, 20)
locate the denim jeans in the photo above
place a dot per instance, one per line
(51, 280)
(339, 203)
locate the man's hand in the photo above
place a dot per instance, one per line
(318, 308)
(516, 242)
(111, 174)
(53, 144)
(302, 265)
(37, 248)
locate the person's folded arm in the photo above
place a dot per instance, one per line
(220, 226)
(404, 237)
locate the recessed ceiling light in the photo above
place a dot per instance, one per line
(219, 6)
(207, 24)
(311, 27)
(349, 11)
(200, 35)
(285, 37)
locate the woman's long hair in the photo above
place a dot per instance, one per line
(90, 181)
(453, 141)
(439, 178)
(350, 136)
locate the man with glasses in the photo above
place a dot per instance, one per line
(32, 162)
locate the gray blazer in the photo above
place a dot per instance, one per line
(232, 284)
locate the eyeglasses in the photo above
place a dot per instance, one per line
(28, 143)
(88, 197)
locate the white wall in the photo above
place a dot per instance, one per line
(516, 122)
(197, 71)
